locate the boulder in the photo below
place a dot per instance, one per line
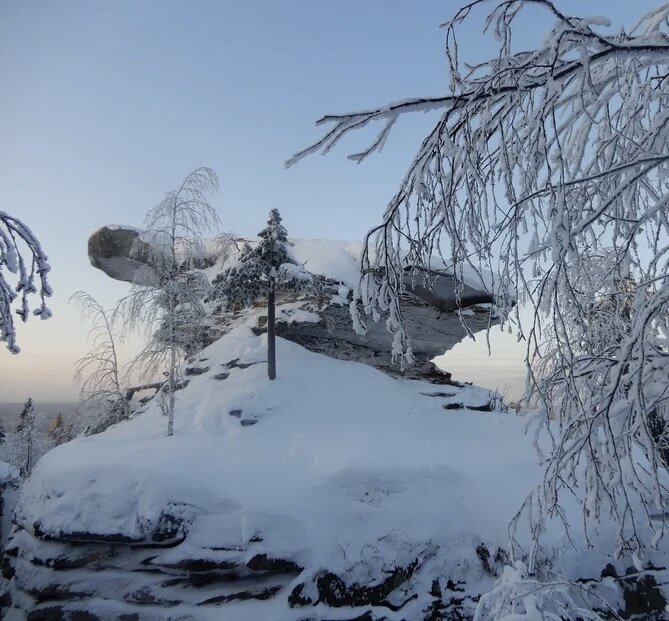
(116, 251)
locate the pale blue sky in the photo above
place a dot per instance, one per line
(104, 106)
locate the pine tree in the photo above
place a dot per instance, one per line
(260, 271)
(25, 439)
(273, 247)
(273, 253)
(23, 447)
(3, 433)
(240, 285)
(60, 432)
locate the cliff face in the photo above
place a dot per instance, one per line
(430, 314)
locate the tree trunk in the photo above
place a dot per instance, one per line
(172, 388)
(29, 451)
(271, 332)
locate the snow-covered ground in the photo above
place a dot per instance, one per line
(323, 425)
(334, 466)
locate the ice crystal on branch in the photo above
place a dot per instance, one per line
(29, 269)
(540, 161)
(103, 397)
(168, 292)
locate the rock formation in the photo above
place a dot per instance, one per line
(334, 492)
(430, 313)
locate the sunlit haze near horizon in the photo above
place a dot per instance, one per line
(108, 105)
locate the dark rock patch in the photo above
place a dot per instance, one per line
(193, 565)
(144, 596)
(196, 370)
(261, 562)
(52, 613)
(178, 386)
(445, 395)
(365, 616)
(76, 562)
(82, 537)
(447, 607)
(334, 591)
(7, 567)
(169, 531)
(492, 565)
(295, 598)
(643, 597)
(58, 592)
(486, 407)
(242, 596)
(58, 613)
(235, 364)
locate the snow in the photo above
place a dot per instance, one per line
(339, 261)
(318, 433)
(7, 471)
(339, 450)
(334, 464)
(292, 313)
(120, 227)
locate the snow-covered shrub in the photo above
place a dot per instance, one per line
(517, 596)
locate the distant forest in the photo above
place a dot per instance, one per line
(46, 411)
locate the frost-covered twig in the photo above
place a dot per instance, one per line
(166, 299)
(31, 271)
(518, 596)
(548, 168)
(99, 372)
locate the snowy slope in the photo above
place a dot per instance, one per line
(334, 467)
(323, 424)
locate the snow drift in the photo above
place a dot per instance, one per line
(333, 492)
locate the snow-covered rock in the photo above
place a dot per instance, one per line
(10, 482)
(333, 492)
(429, 313)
